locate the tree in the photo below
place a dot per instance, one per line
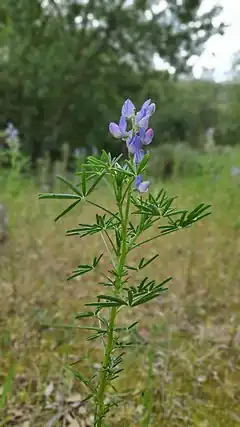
(68, 65)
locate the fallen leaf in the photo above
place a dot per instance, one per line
(72, 421)
(48, 390)
(74, 398)
(82, 410)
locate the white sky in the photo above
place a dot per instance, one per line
(219, 49)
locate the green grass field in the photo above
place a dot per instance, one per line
(188, 362)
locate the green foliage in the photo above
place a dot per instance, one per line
(7, 387)
(174, 160)
(66, 65)
(188, 329)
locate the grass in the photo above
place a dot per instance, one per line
(186, 371)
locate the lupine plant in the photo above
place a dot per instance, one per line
(122, 230)
(16, 159)
(12, 138)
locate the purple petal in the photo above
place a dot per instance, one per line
(148, 137)
(138, 156)
(146, 104)
(138, 181)
(134, 145)
(129, 138)
(142, 134)
(139, 117)
(151, 109)
(122, 124)
(128, 109)
(115, 130)
(143, 187)
(143, 123)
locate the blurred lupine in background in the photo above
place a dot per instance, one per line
(235, 171)
(122, 231)
(14, 157)
(13, 145)
(12, 137)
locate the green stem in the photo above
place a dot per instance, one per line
(103, 381)
(99, 415)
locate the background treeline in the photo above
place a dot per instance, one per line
(65, 68)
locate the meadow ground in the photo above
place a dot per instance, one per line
(188, 359)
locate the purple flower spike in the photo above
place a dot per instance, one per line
(128, 109)
(141, 186)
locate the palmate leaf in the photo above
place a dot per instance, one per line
(186, 219)
(68, 209)
(85, 268)
(143, 263)
(146, 291)
(61, 196)
(88, 229)
(112, 298)
(80, 377)
(93, 186)
(70, 185)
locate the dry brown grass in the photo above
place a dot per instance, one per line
(192, 331)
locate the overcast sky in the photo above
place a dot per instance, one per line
(224, 46)
(219, 49)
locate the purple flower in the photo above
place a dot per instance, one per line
(128, 109)
(139, 135)
(11, 131)
(146, 136)
(119, 131)
(142, 120)
(147, 110)
(134, 146)
(151, 109)
(141, 186)
(136, 142)
(235, 171)
(138, 156)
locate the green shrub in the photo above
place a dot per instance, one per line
(173, 160)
